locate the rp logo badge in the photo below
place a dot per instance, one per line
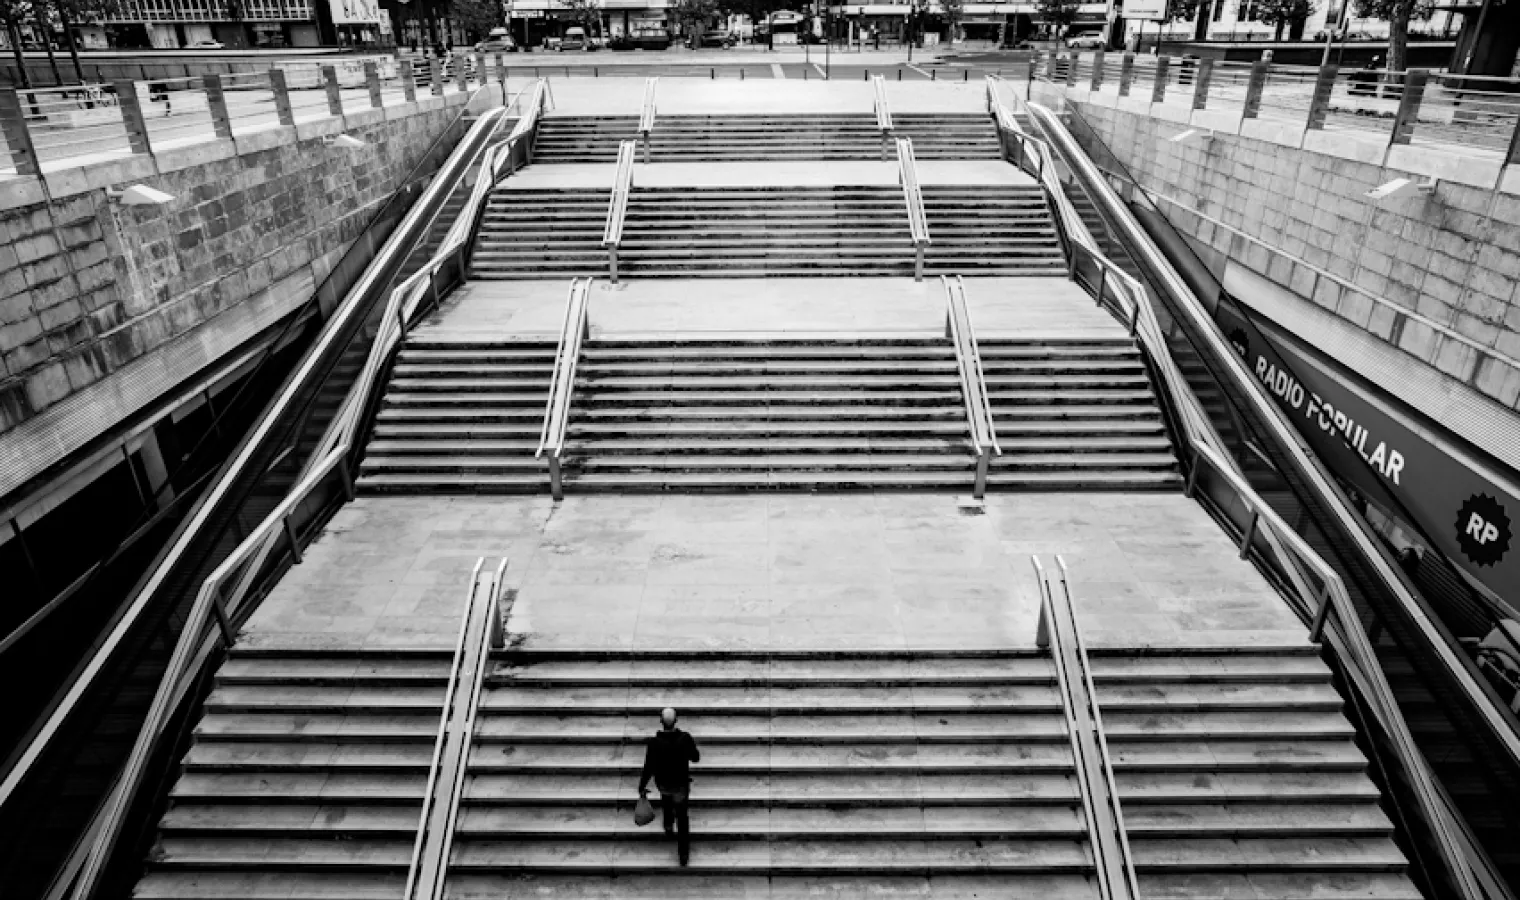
(1483, 530)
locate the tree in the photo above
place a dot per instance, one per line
(954, 12)
(585, 13)
(81, 12)
(476, 17)
(694, 16)
(1058, 14)
(1282, 13)
(1398, 14)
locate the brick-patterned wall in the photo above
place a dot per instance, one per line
(1453, 257)
(88, 285)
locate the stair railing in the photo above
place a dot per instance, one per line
(480, 631)
(646, 116)
(913, 197)
(968, 362)
(1050, 635)
(240, 569)
(1126, 858)
(617, 207)
(1315, 585)
(883, 112)
(574, 329)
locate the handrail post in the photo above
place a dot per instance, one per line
(216, 105)
(1319, 104)
(1409, 106)
(334, 90)
(983, 460)
(1201, 87)
(556, 484)
(1250, 533)
(1126, 74)
(918, 263)
(18, 137)
(1254, 88)
(1096, 83)
(290, 539)
(132, 116)
(1192, 482)
(281, 92)
(1317, 630)
(612, 263)
(1158, 87)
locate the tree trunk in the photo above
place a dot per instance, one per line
(1201, 27)
(47, 43)
(15, 36)
(68, 35)
(1398, 35)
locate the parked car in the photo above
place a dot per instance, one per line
(498, 41)
(207, 45)
(719, 39)
(574, 39)
(1088, 41)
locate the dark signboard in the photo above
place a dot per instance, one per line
(1469, 516)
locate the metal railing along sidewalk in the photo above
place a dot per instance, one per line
(1060, 632)
(573, 332)
(913, 197)
(968, 362)
(1314, 585)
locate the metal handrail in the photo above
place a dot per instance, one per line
(1049, 633)
(1127, 856)
(617, 207)
(913, 197)
(968, 363)
(443, 732)
(331, 454)
(1206, 446)
(646, 116)
(883, 110)
(574, 328)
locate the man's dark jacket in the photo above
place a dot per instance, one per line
(667, 760)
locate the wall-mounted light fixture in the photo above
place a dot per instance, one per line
(1401, 187)
(346, 141)
(139, 195)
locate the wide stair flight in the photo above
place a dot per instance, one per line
(842, 772)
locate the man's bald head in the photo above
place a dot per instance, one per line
(668, 718)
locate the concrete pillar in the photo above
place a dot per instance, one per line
(334, 90)
(1097, 71)
(1158, 89)
(435, 76)
(1254, 87)
(408, 81)
(372, 81)
(1409, 105)
(1126, 74)
(461, 71)
(1319, 104)
(1201, 87)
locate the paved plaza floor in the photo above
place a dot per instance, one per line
(794, 307)
(785, 571)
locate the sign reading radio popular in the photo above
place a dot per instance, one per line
(355, 12)
(1470, 517)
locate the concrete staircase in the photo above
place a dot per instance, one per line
(305, 779)
(838, 774)
(768, 414)
(1075, 414)
(1239, 775)
(997, 230)
(582, 139)
(461, 417)
(541, 233)
(766, 138)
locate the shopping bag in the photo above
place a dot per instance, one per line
(643, 812)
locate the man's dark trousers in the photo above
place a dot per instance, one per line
(677, 818)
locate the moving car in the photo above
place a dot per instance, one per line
(207, 45)
(1090, 40)
(574, 39)
(718, 39)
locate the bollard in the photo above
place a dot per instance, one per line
(18, 137)
(899, 74)
(334, 93)
(596, 71)
(712, 74)
(372, 81)
(741, 74)
(934, 74)
(965, 75)
(216, 104)
(281, 98)
(408, 81)
(132, 116)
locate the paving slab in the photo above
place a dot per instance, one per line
(867, 173)
(774, 572)
(793, 307)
